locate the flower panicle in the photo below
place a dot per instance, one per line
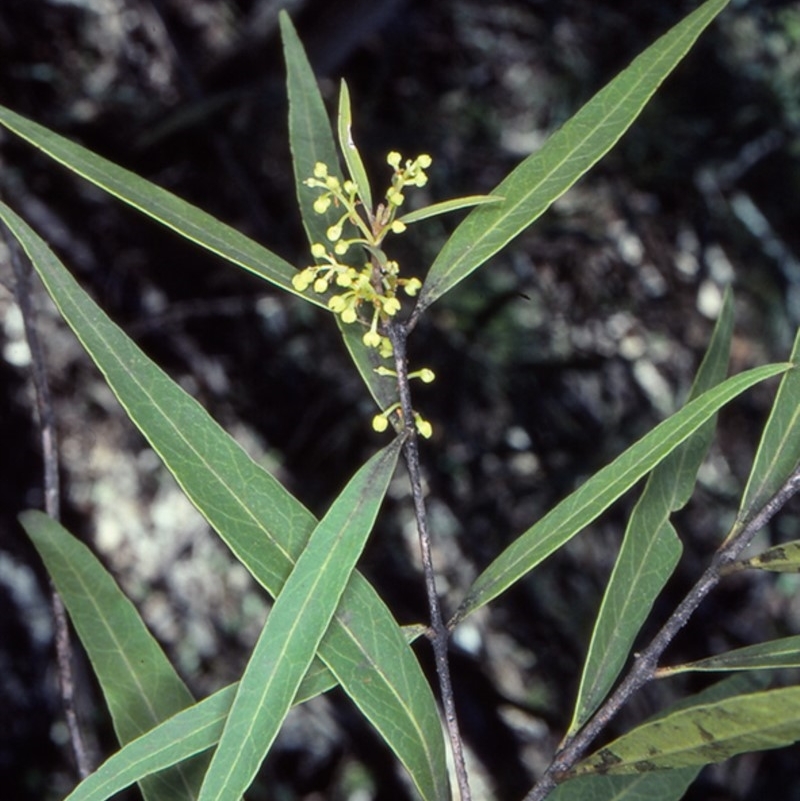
(375, 286)
(378, 282)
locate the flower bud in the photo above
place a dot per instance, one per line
(322, 204)
(372, 339)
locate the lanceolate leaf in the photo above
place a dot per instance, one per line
(445, 206)
(140, 686)
(779, 450)
(599, 492)
(190, 222)
(662, 785)
(294, 629)
(703, 734)
(262, 523)
(310, 135)
(567, 155)
(781, 653)
(647, 559)
(349, 150)
(651, 548)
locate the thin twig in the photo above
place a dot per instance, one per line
(47, 428)
(646, 662)
(398, 335)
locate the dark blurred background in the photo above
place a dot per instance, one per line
(563, 350)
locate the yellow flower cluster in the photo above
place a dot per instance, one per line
(377, 282)
(376, 289)
(412, 174)
(374, 286)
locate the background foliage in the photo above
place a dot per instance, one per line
(583, 335)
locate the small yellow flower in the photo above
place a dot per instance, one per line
(391, 267)
(424, 428)
(380, 423)
(320, 170)
(412, 286)
(395, 196)
(322, 204)
(349, 315)
(337, 304)
(372, 339)
(426, 375)
(385, 349)
(334, 232)
(302, 280)
(390, 306)
(394, 159)
(398, 227)
(320, 285)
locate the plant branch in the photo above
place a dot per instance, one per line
(47, 429)
(646, 662)
(398, 335)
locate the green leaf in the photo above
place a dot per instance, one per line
(651, 548)
(349, 150)
(703, 734)
(262, 523)
(779, 450)
(686, 460)
(446, 206)
(780, 653)
(140, 686)
(189, 732)
(647, 559)
(591, 499)
(294, 629)
(662, 785)
(310, 136)
(187, 220)
(544, 176)
(311, 141)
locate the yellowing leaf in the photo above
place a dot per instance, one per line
(784, 558)
(703, 734)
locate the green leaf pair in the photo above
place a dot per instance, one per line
(265, 526)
